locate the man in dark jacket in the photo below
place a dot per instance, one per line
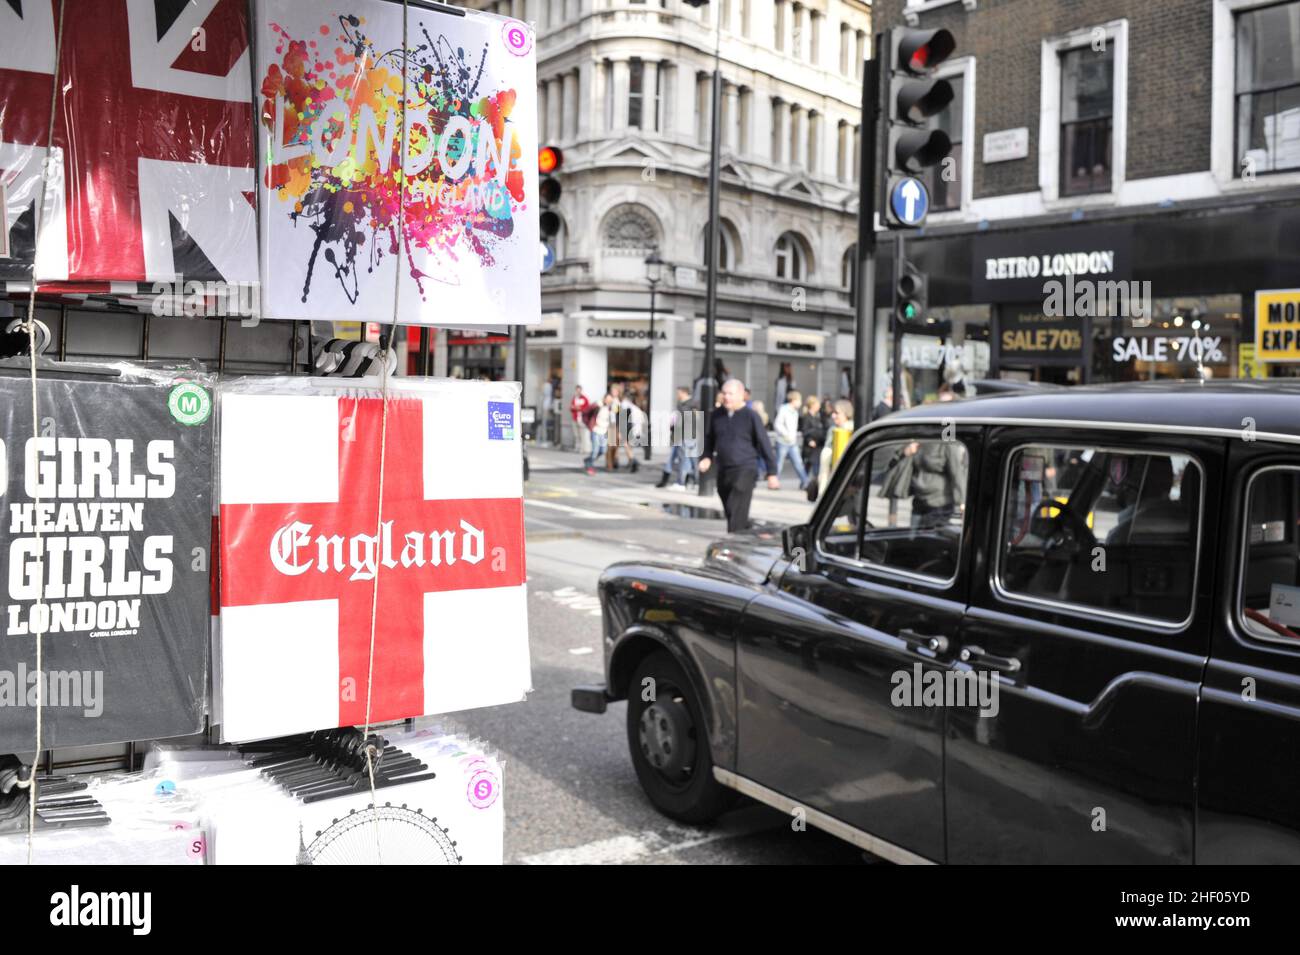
(735, 442)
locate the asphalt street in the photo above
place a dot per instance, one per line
(571, 795)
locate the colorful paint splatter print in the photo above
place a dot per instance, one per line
(332, 110)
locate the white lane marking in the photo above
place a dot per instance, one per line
(618, 850)
(575, 599)
(581, 651)
(575, 511)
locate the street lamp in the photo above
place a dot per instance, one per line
(707, 383)
(654, 273)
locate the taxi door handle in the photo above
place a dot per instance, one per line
(935, 643)
(974, 654)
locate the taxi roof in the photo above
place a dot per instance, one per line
(1268, 407)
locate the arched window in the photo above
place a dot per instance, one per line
(728, 246)
(792, 258)
(630, 230)
(849, 272)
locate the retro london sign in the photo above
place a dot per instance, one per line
(1015, 266)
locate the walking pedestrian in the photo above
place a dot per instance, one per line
(613, 437)
(736, 442)
(600, 433)
(784, 384)
(812, 427)
(581, 432)
(885, 405)
(786, 429)
(631, 428)
(837, 439)
(813, 430)
(681, 460)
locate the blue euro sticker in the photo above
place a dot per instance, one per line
(501, 421)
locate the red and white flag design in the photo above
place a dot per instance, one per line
(151, 165)
(302, 553)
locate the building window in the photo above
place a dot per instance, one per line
(944, 179)
(635, 95)
(855, 174)
(1268, 89)
(703, 105)
(814, 141)
(630, 230)
(794, 139)
(744, 18)
(778, 21)
(1087, 108)
(727, 246)
(791, 258)
(842, 151)
(849, 273)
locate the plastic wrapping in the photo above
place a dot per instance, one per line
(301, 559)
(149, 822)
(152, 163)
(123, 469)
(467, 245)
(456, 817)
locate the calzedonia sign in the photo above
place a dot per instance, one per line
(1017, 266)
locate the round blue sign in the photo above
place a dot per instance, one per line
(548, 257)
(910, 201)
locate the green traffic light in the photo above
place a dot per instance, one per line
(909, 310)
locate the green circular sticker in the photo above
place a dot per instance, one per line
(189, 403)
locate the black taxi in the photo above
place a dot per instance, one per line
(1046, 627)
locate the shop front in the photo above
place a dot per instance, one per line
(1165, 295)
(476, 355)
(794, 363)
(733, 348)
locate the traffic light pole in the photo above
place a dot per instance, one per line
(707, 384)
(897, 324)
(865, 311)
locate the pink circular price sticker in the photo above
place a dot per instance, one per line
(517, 37)
(483, 789)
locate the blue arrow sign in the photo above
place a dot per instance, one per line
(548, 257)
(910, 201)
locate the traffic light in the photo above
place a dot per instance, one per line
(913, 288)
(549, 161)
(914, 99)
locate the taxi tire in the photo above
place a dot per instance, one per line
(704, 798)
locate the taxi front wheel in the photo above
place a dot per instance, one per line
(669, 743)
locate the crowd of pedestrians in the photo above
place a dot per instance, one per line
(743, 444)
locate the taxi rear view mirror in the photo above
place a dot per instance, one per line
(796, 547)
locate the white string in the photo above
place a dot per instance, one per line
(39, 630)
(383, 428)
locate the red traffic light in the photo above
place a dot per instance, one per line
(549, 159)
(920, 51)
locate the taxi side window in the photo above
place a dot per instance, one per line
(1270, 579)
(1101, 528)
(903, 508)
